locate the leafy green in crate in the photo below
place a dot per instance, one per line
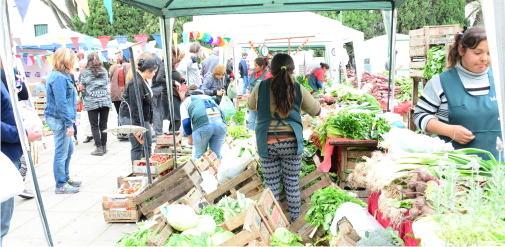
(436, 61)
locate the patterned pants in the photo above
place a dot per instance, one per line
(283, 155)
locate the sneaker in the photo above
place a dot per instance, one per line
(66, 189)
(26, 195)
(74, 183)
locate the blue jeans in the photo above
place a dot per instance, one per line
(246, 83)
(212, 134)
(6, 210)
(253, 115)
(137, 150)
(63, 150)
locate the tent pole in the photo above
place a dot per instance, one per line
(141, 116)
(391, 54)
(166, 28)
(8, 69)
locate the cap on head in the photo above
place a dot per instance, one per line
(43, 79)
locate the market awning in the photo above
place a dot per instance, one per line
(174, 8)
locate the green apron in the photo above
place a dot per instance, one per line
(313, 80)
(265, 118)
(253, 81)
(479, 114)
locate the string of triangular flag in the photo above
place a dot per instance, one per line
(301, 47)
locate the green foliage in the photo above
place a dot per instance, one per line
(368, 21)
(283, 237)
(324, 204)
(319, 53)
(217, 213)
(436, 61)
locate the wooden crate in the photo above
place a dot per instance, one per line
(315, 138)
(195, 199)
(164, 229)
(168, 139)
(361, 193)
(129, 211)
(211, 157)
(129, 175)
(47, 133)
(40, 100)
(272, 211)
(40, 94)
(140, 168)
(248, 183)
(302, 228)
(40, 106)
(421, 39)
(255, 229)
(204, 164)
(348, 160)
(181, 151)
(305, 194)
(169, 188)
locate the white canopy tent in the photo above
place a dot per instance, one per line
(242, 28)
(377, 50)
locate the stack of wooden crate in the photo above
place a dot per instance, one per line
(40, 102)
(165, 143)
(421, 40)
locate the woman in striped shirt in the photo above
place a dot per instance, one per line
(460, 104)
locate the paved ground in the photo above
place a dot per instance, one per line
(77, 219)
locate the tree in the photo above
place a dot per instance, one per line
(370, 22)
(475, 14)
(64, 20)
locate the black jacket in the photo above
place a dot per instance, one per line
(131, 100)
(23, 94)
(161, 78)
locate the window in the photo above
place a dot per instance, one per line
(40, 29)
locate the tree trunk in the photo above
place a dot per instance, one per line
(63, 20)
(72, 10)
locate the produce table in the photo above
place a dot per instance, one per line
(405, 227)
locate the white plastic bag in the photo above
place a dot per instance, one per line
(209, 183)
(234, 163)
(11, 181)
(405, 140)
(361, 220)
(30, 117)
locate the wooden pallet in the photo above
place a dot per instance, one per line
(305, 194)
(302, 228)
(255, 229)
(140, 168)
(195, 199)
(248, 183)
(169, 188)
(271, 210)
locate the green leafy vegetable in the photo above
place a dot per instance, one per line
(436, 61)
(221, 237)
(381, 237)
(283, 237)
(239, 117)
(237, 131)
(401, 204)
(216, 212)
(324, 204)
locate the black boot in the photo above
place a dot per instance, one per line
(104, 149)
(88, 139)
(98, 151)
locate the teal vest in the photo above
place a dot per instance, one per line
(253, 81)
(479, 114)
(265, 118)
(313, 80)
(198, 112)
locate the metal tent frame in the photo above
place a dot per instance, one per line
(166, 10)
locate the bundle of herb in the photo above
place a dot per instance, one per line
(239, 117)
(216, 212)
(237, 131)
(324, 203)
(436, 62)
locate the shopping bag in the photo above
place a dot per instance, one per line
(232, 91)
(227, 106)
(11, 181)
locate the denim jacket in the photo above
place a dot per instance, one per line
(61, 100)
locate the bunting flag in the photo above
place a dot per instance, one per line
(141, 38)
(108, 6)
(25, 59)
(38, 61)
(105, 54)
(157, 37)
(32, 59)
(252, 47)
(104, 40)
(89, 42)
(75, 41)
(185, 38)
(62, 42)
(50, 59)
(301, 46)
(43, 59)
(122, 39)
(126, 54)
(194, 35)
(22, 6)
(84, 6)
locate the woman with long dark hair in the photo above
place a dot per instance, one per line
(95, 80)
(176, 82)
(261, 73)
(460, 104)
(129, 108)
(278, 101)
